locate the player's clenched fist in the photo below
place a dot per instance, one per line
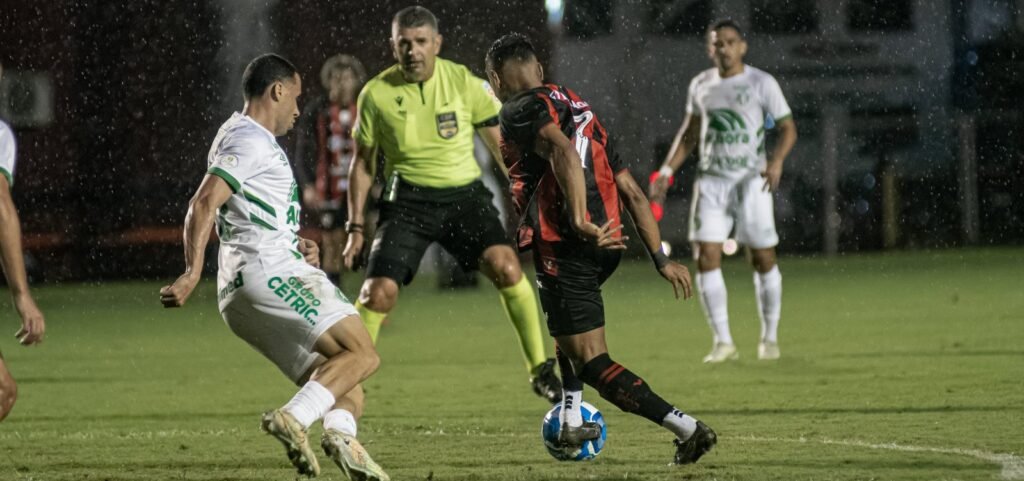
(176, 294)
(310, 252)
(679, 276)
(658, 188)
(33, 325)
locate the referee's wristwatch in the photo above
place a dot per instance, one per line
(352, 227)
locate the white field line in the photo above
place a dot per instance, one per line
(1012, 466)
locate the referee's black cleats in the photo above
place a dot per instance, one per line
(546, 384)
(689, 451)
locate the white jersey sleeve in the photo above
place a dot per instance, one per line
(239, 157)
(691, 97)
(8, 151)
(772, 100)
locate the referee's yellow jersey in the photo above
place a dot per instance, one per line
(425, 129)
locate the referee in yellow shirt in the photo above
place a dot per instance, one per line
(421, 113)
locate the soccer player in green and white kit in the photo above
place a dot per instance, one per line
(33, 325)
(421, 113)
(270, 291)
(726, 109)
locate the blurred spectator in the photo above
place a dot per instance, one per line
(325, 143)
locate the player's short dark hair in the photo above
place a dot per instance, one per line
(415, 16)
(264, 71)
(514, 46)
(725, 23)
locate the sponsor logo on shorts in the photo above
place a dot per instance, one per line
(297, 296)
(232, 287)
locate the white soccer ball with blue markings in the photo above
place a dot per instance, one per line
(551, 426)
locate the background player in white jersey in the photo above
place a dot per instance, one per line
(726, 111)
(270, 291)
(33, 325)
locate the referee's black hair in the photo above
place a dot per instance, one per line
(415, 16)
(264, 71)
(726, 23)
(514, 46)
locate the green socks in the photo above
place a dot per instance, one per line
(521, 307)
(371, 319)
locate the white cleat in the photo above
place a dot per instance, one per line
(351, 457)
(287, 430)
(768, 351)
(721, 353)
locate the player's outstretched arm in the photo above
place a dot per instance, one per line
(212, 194)
(359, 182)
(684, 143)
(567, 166)
(33, 325)
(647, 227)
(787, 139)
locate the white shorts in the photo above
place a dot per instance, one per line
(720, 204)
(281, 309)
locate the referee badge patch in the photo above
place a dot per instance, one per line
(447, 125)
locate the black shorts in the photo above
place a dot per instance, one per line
(570, 287)
(462, 219)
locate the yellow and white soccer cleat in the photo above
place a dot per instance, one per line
(768, 351)
(351, 457)
(721, 353)
(289, 432)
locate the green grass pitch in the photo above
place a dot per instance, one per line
(904, 366)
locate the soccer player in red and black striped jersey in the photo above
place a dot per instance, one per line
(570, 186)
(325, 141)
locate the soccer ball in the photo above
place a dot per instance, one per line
(549, 432)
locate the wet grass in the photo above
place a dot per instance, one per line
(921, 349)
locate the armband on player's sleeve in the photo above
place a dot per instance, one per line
(491, 122)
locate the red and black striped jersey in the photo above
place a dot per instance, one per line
(531, 176)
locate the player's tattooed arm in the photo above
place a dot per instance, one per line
(787, 138)
(684, 143)
(567, 166)
(359, 182)
(202, 209)
(33, 325)
(636, 204)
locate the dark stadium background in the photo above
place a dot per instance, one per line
(138, 90)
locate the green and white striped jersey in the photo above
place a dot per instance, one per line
(733, 112)
(7, 153)
(261, 219)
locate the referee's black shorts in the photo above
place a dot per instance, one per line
(569, 281)
(462, 219)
